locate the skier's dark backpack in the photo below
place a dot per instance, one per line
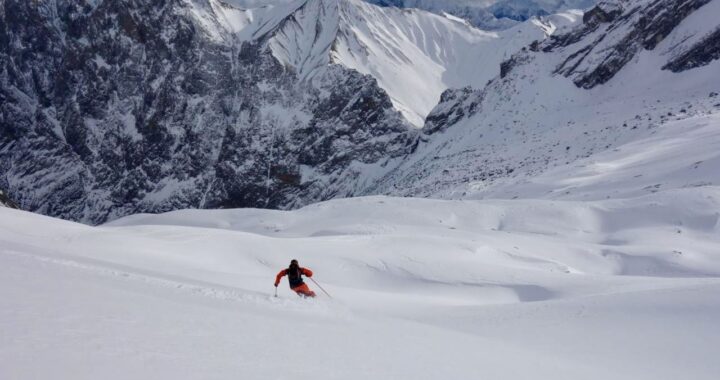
(295, 276)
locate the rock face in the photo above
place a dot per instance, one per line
(700, 54)
(5, 201)
(614, 33)
(115, 107)
(109, 108)
(454, 106)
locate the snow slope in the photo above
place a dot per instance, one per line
(415, 55)
(623, 289)
(580, 107)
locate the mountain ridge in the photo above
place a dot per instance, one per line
(202, 104)
(150, 109)
(537, 115)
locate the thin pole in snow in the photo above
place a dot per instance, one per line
(321, 288)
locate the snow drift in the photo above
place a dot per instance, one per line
(421, 289)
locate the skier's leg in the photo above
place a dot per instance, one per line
(307, 292)
(304, 291)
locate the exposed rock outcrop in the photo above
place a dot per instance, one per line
(109, 108)
(5, 201)
(614, 32)
(702, 53)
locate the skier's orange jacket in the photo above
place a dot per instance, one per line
(306, 272)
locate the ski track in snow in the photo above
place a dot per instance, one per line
(183, 285)
(422, 289)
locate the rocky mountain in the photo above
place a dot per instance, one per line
(399, 46)
(5, 201)
(109, 108)
(115, 107)
(633, 71)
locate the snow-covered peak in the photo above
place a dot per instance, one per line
(304, 39)
(224, 21)
(414, 55)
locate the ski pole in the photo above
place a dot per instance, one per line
(321, 288)
(276, 292)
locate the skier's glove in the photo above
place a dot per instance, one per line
(276, 285)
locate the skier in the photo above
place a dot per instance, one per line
(295, 273)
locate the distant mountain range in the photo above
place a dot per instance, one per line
(110, 108)
(491, 14)
(485, 14)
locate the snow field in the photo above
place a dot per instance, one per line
(424, 289)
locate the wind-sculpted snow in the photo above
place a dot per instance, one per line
(616, 237)
(422, 289)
